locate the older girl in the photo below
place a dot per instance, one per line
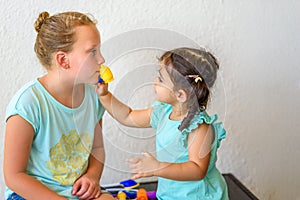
(53, 140)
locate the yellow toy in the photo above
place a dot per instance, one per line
(106, 75)
(121, 195)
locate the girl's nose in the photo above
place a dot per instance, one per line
(100, 59)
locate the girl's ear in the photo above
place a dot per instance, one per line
(181, 95)
(62, 59)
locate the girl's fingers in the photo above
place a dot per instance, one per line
(94, 193)
(146, 154)
(133, 160)
(82, 190)
(90, 193)
(135, 177)
(98, 194)
(76, 187)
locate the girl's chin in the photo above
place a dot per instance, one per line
(92, 82)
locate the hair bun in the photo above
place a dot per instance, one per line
(40, 21)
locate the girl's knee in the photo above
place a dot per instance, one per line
(105, 196)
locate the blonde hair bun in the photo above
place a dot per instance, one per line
(40, 20)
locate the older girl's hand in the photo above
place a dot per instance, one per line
(86, 188)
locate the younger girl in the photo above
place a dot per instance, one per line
(53, 140)
(187, 138)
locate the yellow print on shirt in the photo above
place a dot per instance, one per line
(69, 157)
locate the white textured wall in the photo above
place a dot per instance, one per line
(257, 94)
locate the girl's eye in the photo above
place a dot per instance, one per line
(94, 52)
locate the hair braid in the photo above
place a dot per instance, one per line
(186, 64)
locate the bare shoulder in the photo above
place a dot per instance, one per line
(202, 129)
(204, 132)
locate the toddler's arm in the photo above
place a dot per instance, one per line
(199, 145)
(18, 139)
(121, 112)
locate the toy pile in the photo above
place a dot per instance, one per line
(129, 189)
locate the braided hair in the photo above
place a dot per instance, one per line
(57, 33)
(194, 71)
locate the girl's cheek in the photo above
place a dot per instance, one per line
(155, 88)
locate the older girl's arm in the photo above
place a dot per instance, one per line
(18, 139)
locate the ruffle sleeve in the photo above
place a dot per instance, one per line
(200, 118)
(221, 133)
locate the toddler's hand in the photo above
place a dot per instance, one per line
(86, 188)
(143, 167)
(102, 89)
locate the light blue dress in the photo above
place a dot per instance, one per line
(63, 137)
(171, 146)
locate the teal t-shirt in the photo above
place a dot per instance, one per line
(63, 137)
(171, 146)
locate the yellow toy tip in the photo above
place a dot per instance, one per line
(106, 75)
